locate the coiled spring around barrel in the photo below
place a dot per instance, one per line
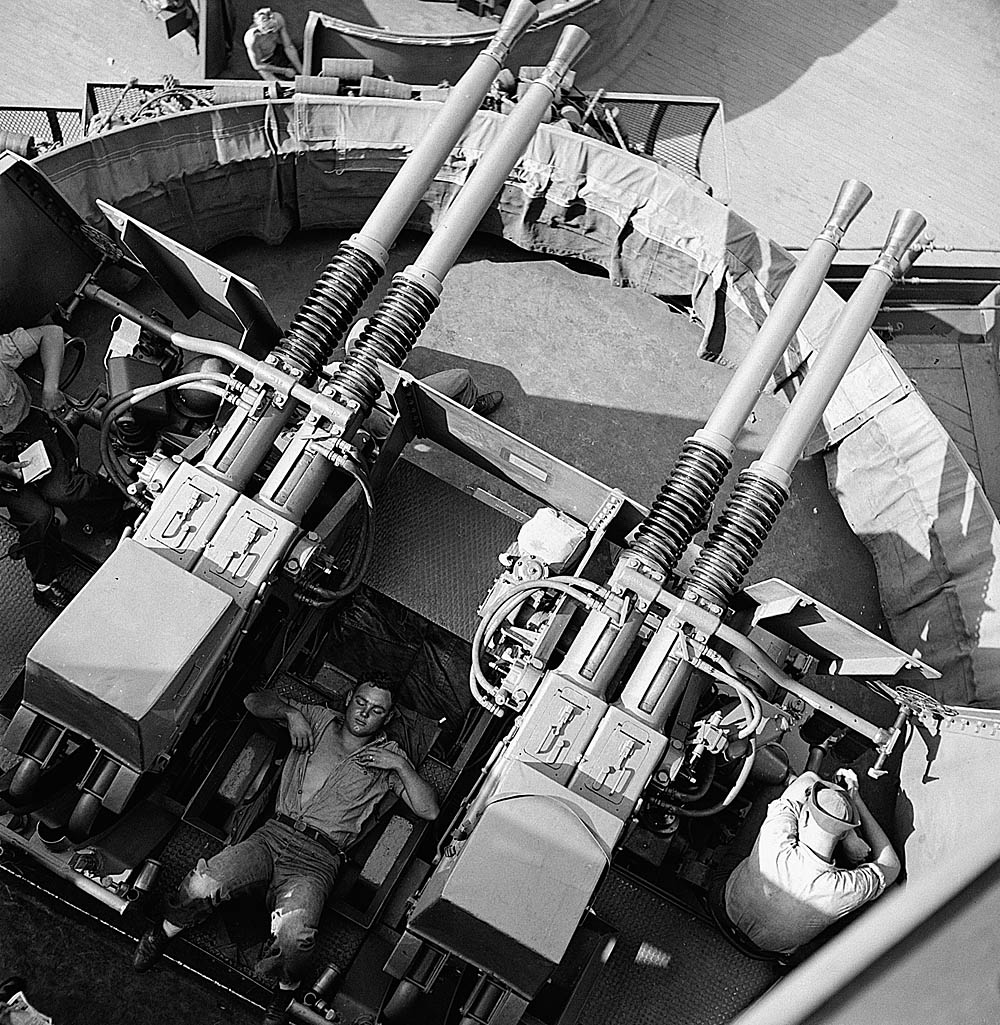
(681, 508)
(737, 537)
(388, 336)
(328, 311)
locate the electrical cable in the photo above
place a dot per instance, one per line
(701, 813)
(204, 380)
(320, 597)
(748, 699)
(577, 588)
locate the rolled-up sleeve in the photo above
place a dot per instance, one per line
(16, 347)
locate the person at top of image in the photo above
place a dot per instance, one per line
(269, 46)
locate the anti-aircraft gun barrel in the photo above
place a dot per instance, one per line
(785, 316)
(360, 260)
(389, 217)
(338, 294)
(684, 501)
(415, 292)
(804, 413)
(762, 489)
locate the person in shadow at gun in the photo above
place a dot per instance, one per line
(808, 869)
(30, 506)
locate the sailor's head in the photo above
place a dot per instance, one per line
(265, 20)
(829, 808)
(369, 707)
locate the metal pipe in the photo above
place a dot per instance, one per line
(266, 373)
(58, 867)
(706, 623)
(410, 184)
(876, 734)
(784, 449)
(787, 313)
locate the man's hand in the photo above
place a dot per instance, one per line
(53, 401)
(854, 848)
(381, 758)
(300, 731)
(848, 779)
(12, 470)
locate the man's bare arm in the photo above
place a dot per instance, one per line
(290, 51)
(265, 704)
(882, 852)
(874, 835)
(51, 350)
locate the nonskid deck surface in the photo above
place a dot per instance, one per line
(897, 94)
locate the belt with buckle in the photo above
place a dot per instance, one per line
(314, 834)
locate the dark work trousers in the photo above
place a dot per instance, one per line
(299, 872)
(82, 496)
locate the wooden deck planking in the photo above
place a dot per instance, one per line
(57, 46)
(901, 94)
(926, 355)
(980, 365)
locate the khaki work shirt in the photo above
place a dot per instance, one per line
(346, 800)
(15, 400)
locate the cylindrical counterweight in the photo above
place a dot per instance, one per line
(797, 425)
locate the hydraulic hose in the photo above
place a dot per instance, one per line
(320, 597)
(704, 813)
(576, 588)
(204, 380)
(748, 699)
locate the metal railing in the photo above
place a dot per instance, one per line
(681, 132)
(29, 131)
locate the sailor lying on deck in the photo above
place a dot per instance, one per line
(790, 888)
(338, 770)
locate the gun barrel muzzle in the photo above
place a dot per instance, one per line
(851, 200)
(573, 42)
(462, 218)
(898, 253)
(517, 19)
(411, 182)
